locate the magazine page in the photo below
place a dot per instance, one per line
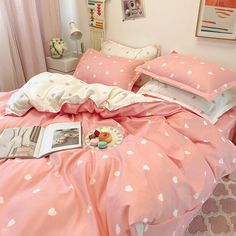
(19, 142)
(61, 136)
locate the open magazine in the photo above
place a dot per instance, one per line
(37, 141)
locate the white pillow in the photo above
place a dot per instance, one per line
(150, 52)
(211, 111)
(112, 48)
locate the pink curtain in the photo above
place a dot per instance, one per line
(49, 21)
(11, 71)
(30, 25)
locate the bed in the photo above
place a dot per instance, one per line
(217, 214)
(153, 183)
(227, 124)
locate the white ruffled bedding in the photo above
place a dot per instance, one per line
(50, 91)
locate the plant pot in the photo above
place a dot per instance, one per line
(56, 56)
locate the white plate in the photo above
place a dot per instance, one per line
(117, 137)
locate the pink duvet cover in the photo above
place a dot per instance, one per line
(151, 184)
(227, 124)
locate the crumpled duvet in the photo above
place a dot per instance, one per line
(165, 168)
(49, 92)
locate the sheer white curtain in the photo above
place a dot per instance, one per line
(26, 26)
(11, 71)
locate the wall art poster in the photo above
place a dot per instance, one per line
(132, 9)
(217, 19)
(96, 15)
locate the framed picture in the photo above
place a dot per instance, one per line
(132, 9)
(217, 19)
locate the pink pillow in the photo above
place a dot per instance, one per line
(96, 67)
(193, 75)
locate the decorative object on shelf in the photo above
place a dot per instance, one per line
(57, 47)
(132, 9)
(104, 137)
(96, 13)
(76, 34)
(217, 19)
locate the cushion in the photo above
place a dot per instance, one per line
(210, 110)
(96, 67)
(112, 48)
(193, 75)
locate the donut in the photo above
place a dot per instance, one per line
(104, 129)
(105, 136)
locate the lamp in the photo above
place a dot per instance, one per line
(75, 34)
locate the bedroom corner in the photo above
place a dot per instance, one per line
(117, 118)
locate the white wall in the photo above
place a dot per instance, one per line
(74, 10)
(169, 23)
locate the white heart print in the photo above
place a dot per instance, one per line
(175, 179)
(186, 126)
(175, 213)
(79, 162)
(221, 161)
(11, 222)
(93, 181)
(52, 212)
(130, 153)
(105, 157)
(118, 229)
(161, 197)
(117, 173)
(196, 195)
(144, 141)
(187, 152)
(1, 200)
(128, 189)
(146, 168)
(28, 177)
(37, 190)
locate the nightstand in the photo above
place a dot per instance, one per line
(64, 65)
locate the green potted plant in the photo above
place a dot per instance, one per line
(57, 47)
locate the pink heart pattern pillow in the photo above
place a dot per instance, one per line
(96, 67)
(205, 79)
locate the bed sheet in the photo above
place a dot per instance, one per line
(227, 124)
(154, 182)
